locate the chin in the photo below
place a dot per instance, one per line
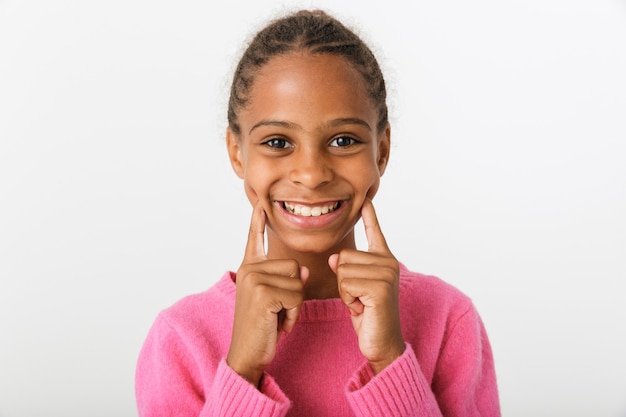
(320, 245)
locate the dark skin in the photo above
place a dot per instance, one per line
(311, 158)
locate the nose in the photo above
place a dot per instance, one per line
(310, 168)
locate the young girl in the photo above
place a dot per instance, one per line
(309, 325)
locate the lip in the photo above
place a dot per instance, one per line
(311, 222)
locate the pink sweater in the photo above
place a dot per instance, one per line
(446, 370)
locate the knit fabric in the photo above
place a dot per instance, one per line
(446, 370)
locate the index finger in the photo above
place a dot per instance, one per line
(375, 239)
(255, 247)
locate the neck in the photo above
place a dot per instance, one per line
(322, 282)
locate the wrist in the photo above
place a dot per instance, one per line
(379, 365)
(253, 376)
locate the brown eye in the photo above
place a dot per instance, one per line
(343, 141)
(278, 143)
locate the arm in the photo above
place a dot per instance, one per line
(399, 390)
(465, 379)
(169, 382)
(464, 384)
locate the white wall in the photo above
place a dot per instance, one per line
(507, 180)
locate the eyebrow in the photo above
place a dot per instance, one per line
(294, 126)
(349, 121)
(277, 123)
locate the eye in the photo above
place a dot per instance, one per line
(343, 141)
(278, 143)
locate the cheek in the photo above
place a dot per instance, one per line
(256, 181)
(368, 180)
(251, 187)
(251, 194)
(371, 192)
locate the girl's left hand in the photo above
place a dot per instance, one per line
(368, 286)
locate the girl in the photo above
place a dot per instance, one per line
(311, 326)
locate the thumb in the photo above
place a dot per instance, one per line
(333, 261)
(304, 274)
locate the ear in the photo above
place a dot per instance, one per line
(234, 152)
(384, 146)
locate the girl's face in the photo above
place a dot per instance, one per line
(309, 151)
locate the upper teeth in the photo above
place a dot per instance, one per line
(314, 211)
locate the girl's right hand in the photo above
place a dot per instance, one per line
(268, 300)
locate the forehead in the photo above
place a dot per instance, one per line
(308, 87)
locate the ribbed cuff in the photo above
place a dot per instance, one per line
(399, 390)
(233, 396)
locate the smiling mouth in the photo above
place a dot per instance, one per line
(311, 211)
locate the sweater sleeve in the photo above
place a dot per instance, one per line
(464, 384)
(465, 379)
(399, 390)
(168, 382)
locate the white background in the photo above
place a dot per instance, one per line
(507, 179)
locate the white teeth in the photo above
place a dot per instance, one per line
(308, 211)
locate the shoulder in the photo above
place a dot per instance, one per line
(185, 344)
(433, 310)
(195, 329)
(427, 301)
(429, 289)
(201, 311)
